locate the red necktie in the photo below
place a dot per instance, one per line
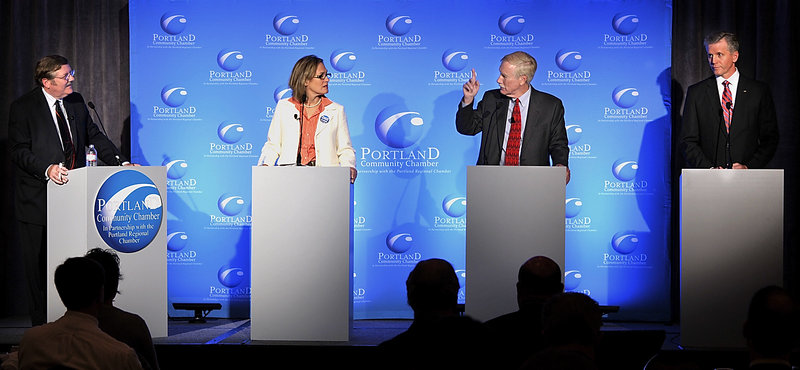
(727, 105)
(514, 137)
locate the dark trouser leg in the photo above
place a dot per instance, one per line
(34, 253)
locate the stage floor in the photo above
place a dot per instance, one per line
(233, 331)
(225, 343)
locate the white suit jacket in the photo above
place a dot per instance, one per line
(331, 140)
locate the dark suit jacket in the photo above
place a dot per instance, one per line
(753, 131)
(545, 135)
(35, 145)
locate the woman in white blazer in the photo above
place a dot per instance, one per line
(310, 114)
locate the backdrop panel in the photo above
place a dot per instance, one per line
(205, 77)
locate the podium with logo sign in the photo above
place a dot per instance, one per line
(123, 208)
(302, 274)
(513, 214)
(731, 246)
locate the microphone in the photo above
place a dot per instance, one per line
(91, 105)
(296, 117)
(728, 160)
(300, 140)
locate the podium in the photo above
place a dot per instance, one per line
(513, 214)
(301, 254)
(731, 246)
(123, 208)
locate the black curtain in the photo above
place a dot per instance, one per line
(768, 53)
(93, 35)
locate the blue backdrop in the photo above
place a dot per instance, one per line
(206, 75)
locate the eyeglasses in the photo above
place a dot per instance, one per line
(323, 76)
(66, 77)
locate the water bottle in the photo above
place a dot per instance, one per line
(91, 156)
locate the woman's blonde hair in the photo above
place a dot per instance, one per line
(303, 71)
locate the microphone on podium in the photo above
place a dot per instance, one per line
(728, 161)
(91, 105)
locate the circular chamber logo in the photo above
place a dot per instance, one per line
(574, 134)
(399, 241)
(624, 170)
(398, 24)
(230, 60)
(455, 205)
(286, 24)
(568, 60)
(625, 24)
(511, 24)
(343, 60)
(230, 132)
(625, 242)
(172, 23)
(174, 95)
(127, 211)
(230, 205)
(455, 60)
(625, 97)
(177, 240)
(398, 127)
(176, 168)
(230, 276)
(572, 206)
(572, 279)
(282, 92)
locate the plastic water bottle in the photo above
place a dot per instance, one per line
(91, 156)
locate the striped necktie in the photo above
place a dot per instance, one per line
(727, 105)
(66, 139)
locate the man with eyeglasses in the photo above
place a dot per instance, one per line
(48, 130)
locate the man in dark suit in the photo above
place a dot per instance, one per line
(728, 108)
(48, 130)
(520, 125)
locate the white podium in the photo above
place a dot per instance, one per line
(301, 254)
(513, 214)
(731, 246)
(72, 231)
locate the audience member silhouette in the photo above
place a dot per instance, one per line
(75, 340)
(571, 329)
(124, 326)
(438, 337)
(771, 329)
(518, 334)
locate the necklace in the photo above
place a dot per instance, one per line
(312, 106)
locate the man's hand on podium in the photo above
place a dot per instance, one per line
(353, 175)
(735, 166)
(58, 174)
(567, 168)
